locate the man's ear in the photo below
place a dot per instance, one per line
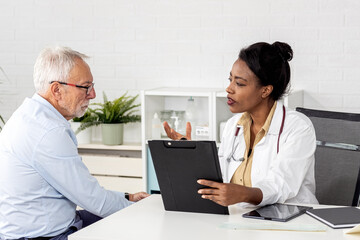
(55, 90)
(266, 91)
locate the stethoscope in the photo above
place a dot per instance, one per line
(237, 133)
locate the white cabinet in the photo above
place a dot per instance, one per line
(155, 101)
(118, 168)
(212, 110)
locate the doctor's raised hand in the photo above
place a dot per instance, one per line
(172, 134)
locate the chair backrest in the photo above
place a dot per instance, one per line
(337, 156)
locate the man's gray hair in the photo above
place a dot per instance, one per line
(54, 64)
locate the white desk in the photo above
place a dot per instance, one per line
(148, 220)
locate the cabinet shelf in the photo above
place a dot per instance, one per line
(99, 146)
(180, 92)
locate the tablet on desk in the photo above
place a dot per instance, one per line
(277, 212)
(178, 165)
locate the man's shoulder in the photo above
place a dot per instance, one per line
(33, 115)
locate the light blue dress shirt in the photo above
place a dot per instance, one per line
(42, 176)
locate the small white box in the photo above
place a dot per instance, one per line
(202, 133)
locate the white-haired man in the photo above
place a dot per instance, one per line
(42, 177)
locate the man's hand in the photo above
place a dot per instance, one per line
(138, 196)
(227, 194)
(175, 135)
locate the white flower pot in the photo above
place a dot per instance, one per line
(83, 137)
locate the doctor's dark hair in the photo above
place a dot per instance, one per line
(270, 63)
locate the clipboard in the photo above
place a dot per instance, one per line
(178, 165)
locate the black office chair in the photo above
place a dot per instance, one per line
(337, 156)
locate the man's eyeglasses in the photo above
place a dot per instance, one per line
(88, 89)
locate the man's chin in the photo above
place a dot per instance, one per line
(80, 114)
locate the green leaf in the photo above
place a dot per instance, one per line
(86, 118)
(120, 110)
(85, 125)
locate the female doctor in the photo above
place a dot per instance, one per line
(267, 151)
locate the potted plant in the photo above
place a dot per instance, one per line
(83, 137)
(112, 115)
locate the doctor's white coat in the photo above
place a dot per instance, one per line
(287, 176)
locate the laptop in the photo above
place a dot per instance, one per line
(178, 165)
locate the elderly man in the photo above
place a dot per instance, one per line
(42, 177)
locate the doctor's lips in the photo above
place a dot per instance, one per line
(230, 101)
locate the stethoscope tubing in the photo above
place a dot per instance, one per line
(237, 132)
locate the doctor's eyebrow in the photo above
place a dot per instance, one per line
(237, 77)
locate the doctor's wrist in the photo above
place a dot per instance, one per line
(254, 196)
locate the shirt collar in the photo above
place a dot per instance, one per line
(277, 119)
(245, 119)
(47, 104)
(269, 119)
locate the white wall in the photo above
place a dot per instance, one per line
(143, 44)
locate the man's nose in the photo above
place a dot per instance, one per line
(92, 94)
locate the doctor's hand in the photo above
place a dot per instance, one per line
(226, 194)
(175, 135)
(138, 196)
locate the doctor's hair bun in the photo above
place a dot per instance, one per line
(285, 51)
(270, 63)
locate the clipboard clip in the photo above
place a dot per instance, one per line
(180, 144)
